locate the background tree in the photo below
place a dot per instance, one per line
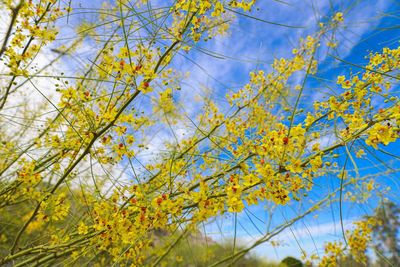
(349, 261)
(386, 234)
(293, 262)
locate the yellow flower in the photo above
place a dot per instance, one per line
(341, 79)
(338, 17)
(82, 228)
(360, 153)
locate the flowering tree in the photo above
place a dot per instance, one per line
(75, 187)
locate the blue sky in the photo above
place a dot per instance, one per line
(253, 44)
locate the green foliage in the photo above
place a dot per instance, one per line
(292, 262)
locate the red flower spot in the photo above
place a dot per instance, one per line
(285, 140)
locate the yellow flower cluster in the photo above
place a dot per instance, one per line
(354, 104)
(30, 34)
(357, 243)
(359, 238)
